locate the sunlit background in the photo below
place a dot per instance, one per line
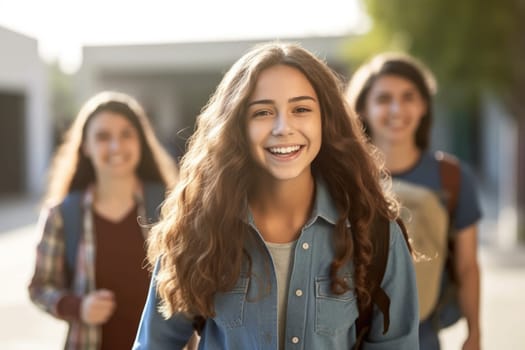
(171, 54)
(63, 26)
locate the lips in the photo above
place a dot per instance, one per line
(116, 159)
(396, 123)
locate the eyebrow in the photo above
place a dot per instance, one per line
(293, 99)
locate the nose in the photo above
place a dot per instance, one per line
(395, 107)
(281, 125)
(114, 144)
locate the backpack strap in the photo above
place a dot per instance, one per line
(153, 197)
(71, 211)
(450, 174)
(380, 237)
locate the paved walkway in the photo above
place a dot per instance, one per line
(23, 327)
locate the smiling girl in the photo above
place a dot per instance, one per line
(89, 265)
(393, 95)
(265, 241)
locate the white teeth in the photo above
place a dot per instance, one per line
(284, 150)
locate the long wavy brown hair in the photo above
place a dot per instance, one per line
(200, 239)
(401, 65)
(72, 170)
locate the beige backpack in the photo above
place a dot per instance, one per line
(427, 223)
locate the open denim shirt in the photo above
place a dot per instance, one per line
(316, 318)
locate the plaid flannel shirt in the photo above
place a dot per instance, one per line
(50, 282)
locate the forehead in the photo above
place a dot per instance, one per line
(393, 83)
(108, 120)
(282, 81)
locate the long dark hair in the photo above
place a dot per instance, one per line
(400, 65)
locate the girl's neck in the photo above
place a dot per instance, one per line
(114, 198)
(116, 190)
(399, 157)
(281, 208)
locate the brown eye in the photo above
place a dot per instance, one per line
(128, 133)
(102, 136)
(383, 98)
(302, 110)
(411, 96)
(261, 113)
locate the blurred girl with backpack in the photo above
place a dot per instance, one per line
(107, 178)
(392, 95)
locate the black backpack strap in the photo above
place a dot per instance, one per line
(380, 237)
(153, 196)
(450, 174)
(71, 211)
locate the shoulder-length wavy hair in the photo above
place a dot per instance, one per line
(401, 65)
(72, 170)
(201, 235)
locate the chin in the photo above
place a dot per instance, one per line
(122, 172)
(287, 176)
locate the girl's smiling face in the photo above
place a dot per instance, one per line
(393, 109)
(284, 123)
(113, 145)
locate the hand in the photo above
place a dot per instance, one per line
(97, 307)
(472, 342)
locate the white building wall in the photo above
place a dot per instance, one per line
(159, 75)
(157, 94)
(22, 71)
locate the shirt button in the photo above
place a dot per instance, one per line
(299, 293)
(295, 340)
(306, 246)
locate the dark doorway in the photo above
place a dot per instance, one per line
(12, 143)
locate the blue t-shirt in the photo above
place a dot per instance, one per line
(426, 173)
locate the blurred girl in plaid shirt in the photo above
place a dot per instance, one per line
(108, 170)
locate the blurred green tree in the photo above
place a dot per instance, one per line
(473, 46)
(62, 101)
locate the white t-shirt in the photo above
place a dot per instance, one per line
(282, 256)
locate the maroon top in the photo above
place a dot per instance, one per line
(119, 267)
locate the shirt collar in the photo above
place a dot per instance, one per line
(324, 206)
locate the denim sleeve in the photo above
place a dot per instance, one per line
(399, 283)
(157, 333)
